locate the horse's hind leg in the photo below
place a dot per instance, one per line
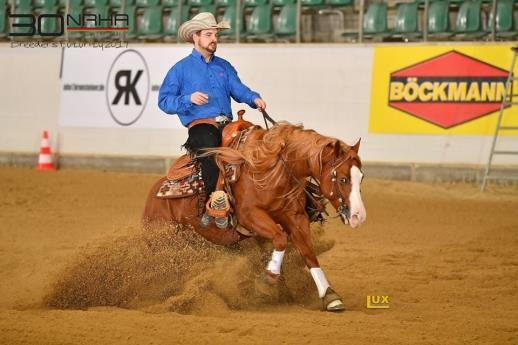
(298, 228)
(264, 226)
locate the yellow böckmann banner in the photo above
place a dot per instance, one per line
(441, 89)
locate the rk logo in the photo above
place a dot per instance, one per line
(377, 302)
(127, 87)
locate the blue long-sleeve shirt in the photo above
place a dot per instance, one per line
(217, 78)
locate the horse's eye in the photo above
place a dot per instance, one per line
(344, 180)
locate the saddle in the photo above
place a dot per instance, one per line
(184, 177)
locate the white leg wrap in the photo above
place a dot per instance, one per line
(275, 263)
(320, 280)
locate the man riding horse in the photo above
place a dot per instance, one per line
(198, 89)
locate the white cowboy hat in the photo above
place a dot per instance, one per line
(201, 21)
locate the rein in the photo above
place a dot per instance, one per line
(267, 117)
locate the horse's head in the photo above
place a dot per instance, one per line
(340, 181)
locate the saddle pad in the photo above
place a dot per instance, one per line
(181, 188)
(183, 167)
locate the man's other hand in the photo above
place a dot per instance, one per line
(261, 105)
(199, 98)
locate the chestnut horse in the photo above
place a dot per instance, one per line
(270, 198)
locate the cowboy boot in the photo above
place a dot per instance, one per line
(218, 207)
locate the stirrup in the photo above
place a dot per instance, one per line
(218, 207)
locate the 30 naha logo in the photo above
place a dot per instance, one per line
(378, 302)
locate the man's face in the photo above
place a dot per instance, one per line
(206, 40)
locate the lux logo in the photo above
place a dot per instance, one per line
(377, 302)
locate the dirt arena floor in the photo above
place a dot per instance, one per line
(75, 268)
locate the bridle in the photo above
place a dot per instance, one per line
(343, 209)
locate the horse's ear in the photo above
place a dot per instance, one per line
(356, 146)
(337, 148)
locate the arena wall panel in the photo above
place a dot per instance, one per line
(325, 87)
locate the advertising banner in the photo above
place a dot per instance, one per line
(440, 89)
(116, 88)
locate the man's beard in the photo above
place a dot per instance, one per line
(211, 47)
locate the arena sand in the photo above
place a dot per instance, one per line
(76, 268)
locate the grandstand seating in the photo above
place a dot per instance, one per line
(22, 7)
(172, 24)
(405, 22)
(505, 25)
(229, 15)
(375, 21)
(3, 18)
(339, 2)
(260, 23)
(469, 23)
(286, 23)
(269, 19)
(45, 3)
(438, 19)
(149, 19)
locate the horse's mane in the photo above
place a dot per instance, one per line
(283, 143)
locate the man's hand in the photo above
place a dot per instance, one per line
(261, 105)
(199, 98)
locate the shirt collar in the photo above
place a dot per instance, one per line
(197, 55)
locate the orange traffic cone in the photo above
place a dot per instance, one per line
(45, 158)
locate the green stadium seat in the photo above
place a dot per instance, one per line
(505, 26)
(23, 3)
(22, 9)
(48, 25)
(148, 3)
(226, 3)
(172, 3)
(150, 25)
(339, 3)
(75, 3)
(375, 21)
(131, 11)
(286, 23)
(312, 3)
(201, 3)
(278, 3)
(95, 3)
(207, 8)
(230, 16)
(76, 9)
(468, 21)
(260, 21)
(103, 11)
(254, 3)
(45, 3)
(438, 22)
(171, 25)
(3, 20)
(118, 3)
(405, 21)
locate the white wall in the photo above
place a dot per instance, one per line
(299, 83)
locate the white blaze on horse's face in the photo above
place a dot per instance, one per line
(358, 214)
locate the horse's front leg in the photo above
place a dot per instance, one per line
(298, 228)
(264, 226)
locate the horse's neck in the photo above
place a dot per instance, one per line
(305, 154)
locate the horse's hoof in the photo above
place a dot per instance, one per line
(271, 278)
(332, 301)
(265, 291)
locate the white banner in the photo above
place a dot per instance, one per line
(116, 87)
